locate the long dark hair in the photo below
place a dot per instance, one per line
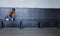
(10, 15)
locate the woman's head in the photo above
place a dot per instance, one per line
(13, 9)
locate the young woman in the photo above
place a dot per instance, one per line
(10, 16)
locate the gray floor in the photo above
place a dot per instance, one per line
(30, 32)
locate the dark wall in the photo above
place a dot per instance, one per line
(31, 13)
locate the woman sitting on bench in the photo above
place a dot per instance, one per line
(10, 16)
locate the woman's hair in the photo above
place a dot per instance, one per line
(13, 9)
(10, 15)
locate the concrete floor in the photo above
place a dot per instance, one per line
(30, 32)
